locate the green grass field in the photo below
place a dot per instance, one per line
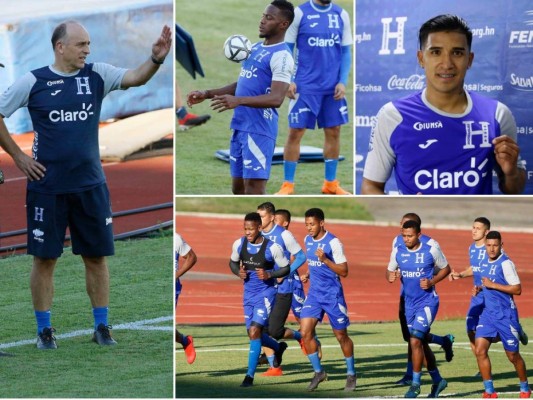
(197, 170)
(141, 312)
(222, 353)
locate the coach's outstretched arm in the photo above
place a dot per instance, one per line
(142, 74)
(31, 168)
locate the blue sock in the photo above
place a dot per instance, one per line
(489, 386)
(43, 319)
(436, 339)
(271, 360)
(267, 341)
(181, 112)
(350, 365)
(409, 370)
(297, 335)
(184, 340)
(315, 361)
(435, 375)
(100, 316)
(330, 168)
(253, 356)
(524, 386)
(289, 170)
(416, 377)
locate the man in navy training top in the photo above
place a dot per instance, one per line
(66, 182)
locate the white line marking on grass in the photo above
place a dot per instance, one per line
(143, 325)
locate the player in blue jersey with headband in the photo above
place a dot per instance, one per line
(259, 91)
(444, 140)
(66, 182)
(322, 35)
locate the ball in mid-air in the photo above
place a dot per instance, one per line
(237, 48)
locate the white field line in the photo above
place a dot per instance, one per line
(143, 325)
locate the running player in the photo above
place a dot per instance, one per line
(322, 34)
(327, 264)
(261, 88)
(444, 140)
(189, 256)
(252, 259)
(417, 263)
(499, 283)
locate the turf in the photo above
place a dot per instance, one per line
(141, 365)
(197, 169)
(380, 354)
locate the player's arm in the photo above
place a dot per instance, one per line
(294, 248)
(513, 286)
(441, 264)
(339, 265)
(273, 99)
(392, 272)
(372, 187)
(280, 260)
(235, 260)
(197, 96)
(189, 260)
(454, 275)
(142, 74)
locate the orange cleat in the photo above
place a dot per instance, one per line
(191, 120)
(189, 350)
(525, 395)
(489, 395)
(333, 187)
(286, 189)
(273, 371)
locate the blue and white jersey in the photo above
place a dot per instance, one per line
(65, 112)
(433, 152)
(502, 270)
(290, 246)
(477, 254)
(273, 254)
(180, 248)
(319, 34)
(324, 282)
(415, 265)
(264, 65)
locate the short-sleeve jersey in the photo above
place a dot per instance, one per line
(502, 270)
(477, 254)
(180, 248)
(433, 152)
(319, 34)
(65, 112)
(264, 65)
(324, 282)
(415, 265)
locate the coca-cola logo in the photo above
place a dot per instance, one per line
(413, 82)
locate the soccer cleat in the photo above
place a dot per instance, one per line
(301, 341)
(317, 378)
(525, 395)
(406, 380)
(286, 189)
(523, 337)
(351, 383)
(273, 371)
(189, 350)
(486, 395)
(436, 388)
(413, 391)
(191, 120)
(279, 354)
(46, 339)
(102, 336)
(248, 381)
(448, 346)
(333, 187)
(263, 360)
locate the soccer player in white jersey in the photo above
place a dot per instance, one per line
(499, 284)
(263, 82)
(66, 182)
(322, 34)
(417, 263)
(183, 250)
(444, 140)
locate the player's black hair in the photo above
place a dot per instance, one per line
(494, 235)
(484, 221)
(253, 217)
(444, 23)
(315, 213)
(411, 224)
(286, 8)
(285, 213)
(413, 217)
(268, 207)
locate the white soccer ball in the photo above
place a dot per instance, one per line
(237, 48)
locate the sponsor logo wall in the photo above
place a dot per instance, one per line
(386, 40)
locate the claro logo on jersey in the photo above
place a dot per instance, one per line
(71, 116)
(320, 42)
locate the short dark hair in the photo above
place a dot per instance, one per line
(494, 235)
(412, 217)
(444, 23)
(411, 225)
(484, 221)
(267, 206)
(315, 213)
(286, 8)
(253, 217)
(285, 213)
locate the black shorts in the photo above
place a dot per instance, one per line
(278, 315)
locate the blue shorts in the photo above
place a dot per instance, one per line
(335, 307)
(298, 298)
(87, 214)
(507, 329)
(307, 111)
(421, 318)
(474, 311)
(251, 155)
(257, 309)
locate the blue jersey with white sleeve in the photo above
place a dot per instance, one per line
(477, 254)
(180, 248)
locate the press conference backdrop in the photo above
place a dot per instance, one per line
(386, 67)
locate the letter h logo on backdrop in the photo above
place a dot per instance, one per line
(388, 35)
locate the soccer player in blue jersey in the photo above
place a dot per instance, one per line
(322, 34)
(417, 263)
(259, 91)
(181, 248)
(327, 264)
(444, 140)
(66, 182)
(499, 284)
(285, 286)
(253, 259)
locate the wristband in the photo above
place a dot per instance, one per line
(157, 62)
